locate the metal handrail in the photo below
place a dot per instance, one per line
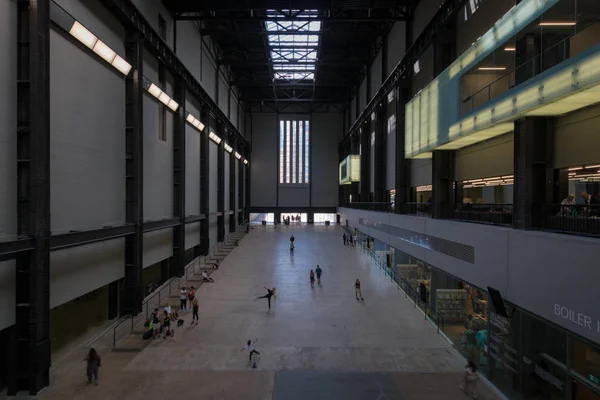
(168, 284)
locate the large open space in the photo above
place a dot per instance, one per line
(317, 343)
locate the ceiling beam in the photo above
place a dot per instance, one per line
(209, 18)
(332, 32)
(290, 84)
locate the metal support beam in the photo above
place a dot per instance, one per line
(380, 163)
(29, 347)
(240, 189)
(204, 186)
(221, 187)
(211, 18)
(178, 264)
(232, 164)
(403, 165)
(133, 290)
(129, 15)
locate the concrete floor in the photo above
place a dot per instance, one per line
(315, 343)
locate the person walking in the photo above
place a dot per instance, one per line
(357, 291)
(93, 364)
(291, 248)
(191, 294)
(318, 271)
(270, 293)
(194, 311)
(345, 239)
(183, 299)
(312, 278)
(469, 382)
(250, 347)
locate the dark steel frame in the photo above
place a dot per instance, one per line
(179, 122)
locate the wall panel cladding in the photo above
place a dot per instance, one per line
(80, 270)
(233, 115)
(294, 196)
(576, 140)
(327, 131)
(192, 235)
(424, 12)
(420, 172)
(8, 128)
(8, 274)
(362, 100)
(396, 45)
(87, 159)
(223, 93)
(238, 170)
(192, 165)
(208, 70)
(188, 43)
(213, 183)
(353, 115)
(213, 230)
(158, 246)
(158, 154)
(150, 9)
(376, 74)
(493, 157)
(265, 158)
(226, 191)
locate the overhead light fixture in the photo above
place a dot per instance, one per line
(90, 41)
(238, 155)
(592, 166)
(558, 23)
(194, 122)
(214, 137)
(162, 96)
(509, 48)
(575, 169)
(246, 162)
(492, 68)
(228, 148)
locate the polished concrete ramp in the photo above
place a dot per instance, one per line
(315, 343)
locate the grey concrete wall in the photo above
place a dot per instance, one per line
(192, 166)
(294, 196)
(265, 160)
(376, 74)
(192, 235)
(362, 99)
(158, 246)
(576, 138)
(533, 270)
(353, 110)
(188, 45)
(150, 9)
(494, 157)
(424, 12)
(223, 89)
(327, 132)
(420, 172)
(396, 45)
(213, 172)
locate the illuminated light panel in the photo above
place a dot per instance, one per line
(478, 136)
(238, 155)
(164, 98)
(510, 49)
(191, 119)
(492, 68)
(558, 23)
(81, 33)
(173, 105)
(246, 162)
(575, 169)
(228, 148)
(214, 137)
(123, 66)
(154, 90)
(568, 104)
(104, 51)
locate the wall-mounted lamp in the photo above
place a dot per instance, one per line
(195, 122)
(228, 148)
(558, 23)
(238, 155)
(214, 137)
(160, 95)
(246, 162)
(90, 40)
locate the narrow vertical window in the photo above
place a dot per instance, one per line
(287, 151)
(281, 151)
(294, 145)
(300, 151)
(306, 151)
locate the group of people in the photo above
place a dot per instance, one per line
(318, 271)
(349, 240)
(590, 206)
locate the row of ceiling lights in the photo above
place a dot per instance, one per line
(92, 42)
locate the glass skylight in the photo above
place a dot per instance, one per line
(294, 55)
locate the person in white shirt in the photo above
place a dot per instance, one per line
(206, 278)
(183, 299)
(250, 347)
(469, 382)
(168, 310)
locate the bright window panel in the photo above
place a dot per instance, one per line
(281, 150)
(287, 152)
(300, 151)
(306, 150)
(296, 76)
(294, 144)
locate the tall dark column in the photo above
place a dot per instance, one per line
(402, 96)
(365, 164)
(204, 188)
(247, 184)
(133, 290)
(221, 189)
(355, 150)
(443, 179)
(29, 347)
(534, 173)
(178, 264)
(232, 164)
(379, 127)
(527, 57)
(240, 206)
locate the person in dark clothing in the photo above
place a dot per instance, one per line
(270, 293)
(318, 271)
(345, 239)
(93, 364)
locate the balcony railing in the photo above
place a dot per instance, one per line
(382, 207)
(571, 219)
(418, 209)
(492, 214)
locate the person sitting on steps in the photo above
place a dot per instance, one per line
(206, 278)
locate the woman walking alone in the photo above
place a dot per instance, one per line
(312, 278)
(93, 364)
(469, 382)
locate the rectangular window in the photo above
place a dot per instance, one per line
(281, 152)
(294, 159)
(306, 147)
(293, 152)
(287, 152)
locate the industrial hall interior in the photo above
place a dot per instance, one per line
(300, 199)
